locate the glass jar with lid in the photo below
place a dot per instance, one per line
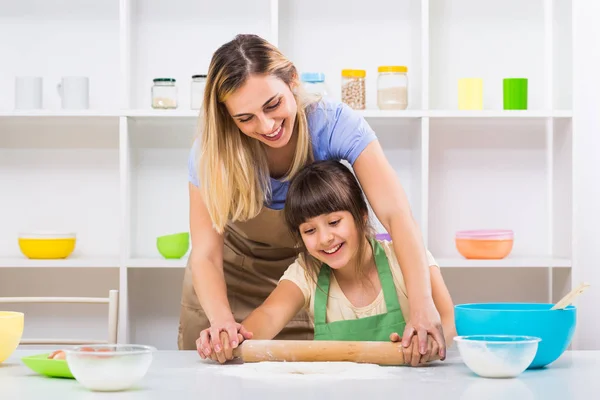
(314, 83)
(354, 88)
(392, 87)
(197, 91)
(164, 93)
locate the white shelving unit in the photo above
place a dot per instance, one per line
(117, 173)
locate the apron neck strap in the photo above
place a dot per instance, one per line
(321, 294)
(385, 277)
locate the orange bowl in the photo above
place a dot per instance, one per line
(484, 244)
(484, 249)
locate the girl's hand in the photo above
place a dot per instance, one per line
(425, 324)
(412, 355)
(218, 341)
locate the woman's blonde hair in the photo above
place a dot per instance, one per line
(232, 167)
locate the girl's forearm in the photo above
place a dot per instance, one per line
(261, 324)
(449, 332)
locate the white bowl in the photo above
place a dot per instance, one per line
(109, 367)
(497, 356)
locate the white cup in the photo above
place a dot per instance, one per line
(28, 92)
(74, 92)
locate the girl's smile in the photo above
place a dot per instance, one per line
(333, 250)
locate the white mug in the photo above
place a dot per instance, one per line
(74, 92)
(28, 92)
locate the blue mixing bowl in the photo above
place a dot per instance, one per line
(555, 328)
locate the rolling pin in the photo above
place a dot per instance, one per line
(382, 353)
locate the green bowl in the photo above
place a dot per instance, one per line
(41, 364)
(173, 246)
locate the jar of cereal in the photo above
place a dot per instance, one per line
(353, 88)
(392, 87)
(164, 93)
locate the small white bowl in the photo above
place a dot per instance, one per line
(109, 367)
(497, 356)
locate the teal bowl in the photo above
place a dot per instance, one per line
(555, 328)
(173, 246)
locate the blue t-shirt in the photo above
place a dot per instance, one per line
(337, 133)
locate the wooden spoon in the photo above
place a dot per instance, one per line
(568, 299)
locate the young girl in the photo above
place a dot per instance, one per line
(350, 284)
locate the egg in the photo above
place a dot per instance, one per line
(57, 355)
(103, 350)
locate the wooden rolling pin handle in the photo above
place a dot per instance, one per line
(382, 353)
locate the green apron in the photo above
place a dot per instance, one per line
(372, 328)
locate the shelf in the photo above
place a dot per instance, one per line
(60, 113)
(150, 113)
(66, 263)
(370, 113)
(517, 262)
(500, 114)
(156, 263)
(374, 113)
(181, 263)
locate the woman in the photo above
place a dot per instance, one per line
(258, 131)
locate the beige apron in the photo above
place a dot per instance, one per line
(256, 254)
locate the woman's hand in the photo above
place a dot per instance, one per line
(425, 322)
(218, 341)
(411, 354)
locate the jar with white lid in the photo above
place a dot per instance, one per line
(197, 91)
(392, 87)
(354, 88)
(164, 93)
(314, 83)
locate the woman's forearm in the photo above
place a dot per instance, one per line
(210, 287)
(390, 203)
(410, 252)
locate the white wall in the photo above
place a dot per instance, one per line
(586, 171)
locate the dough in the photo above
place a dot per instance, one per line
(314, 370)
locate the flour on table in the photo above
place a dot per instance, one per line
(313, 370)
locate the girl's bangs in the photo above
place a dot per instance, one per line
(317, 197)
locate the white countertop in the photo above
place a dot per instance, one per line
(183, 375)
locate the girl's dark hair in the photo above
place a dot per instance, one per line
(321, 188)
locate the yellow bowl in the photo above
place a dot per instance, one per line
(11, 331)
(44, 246)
